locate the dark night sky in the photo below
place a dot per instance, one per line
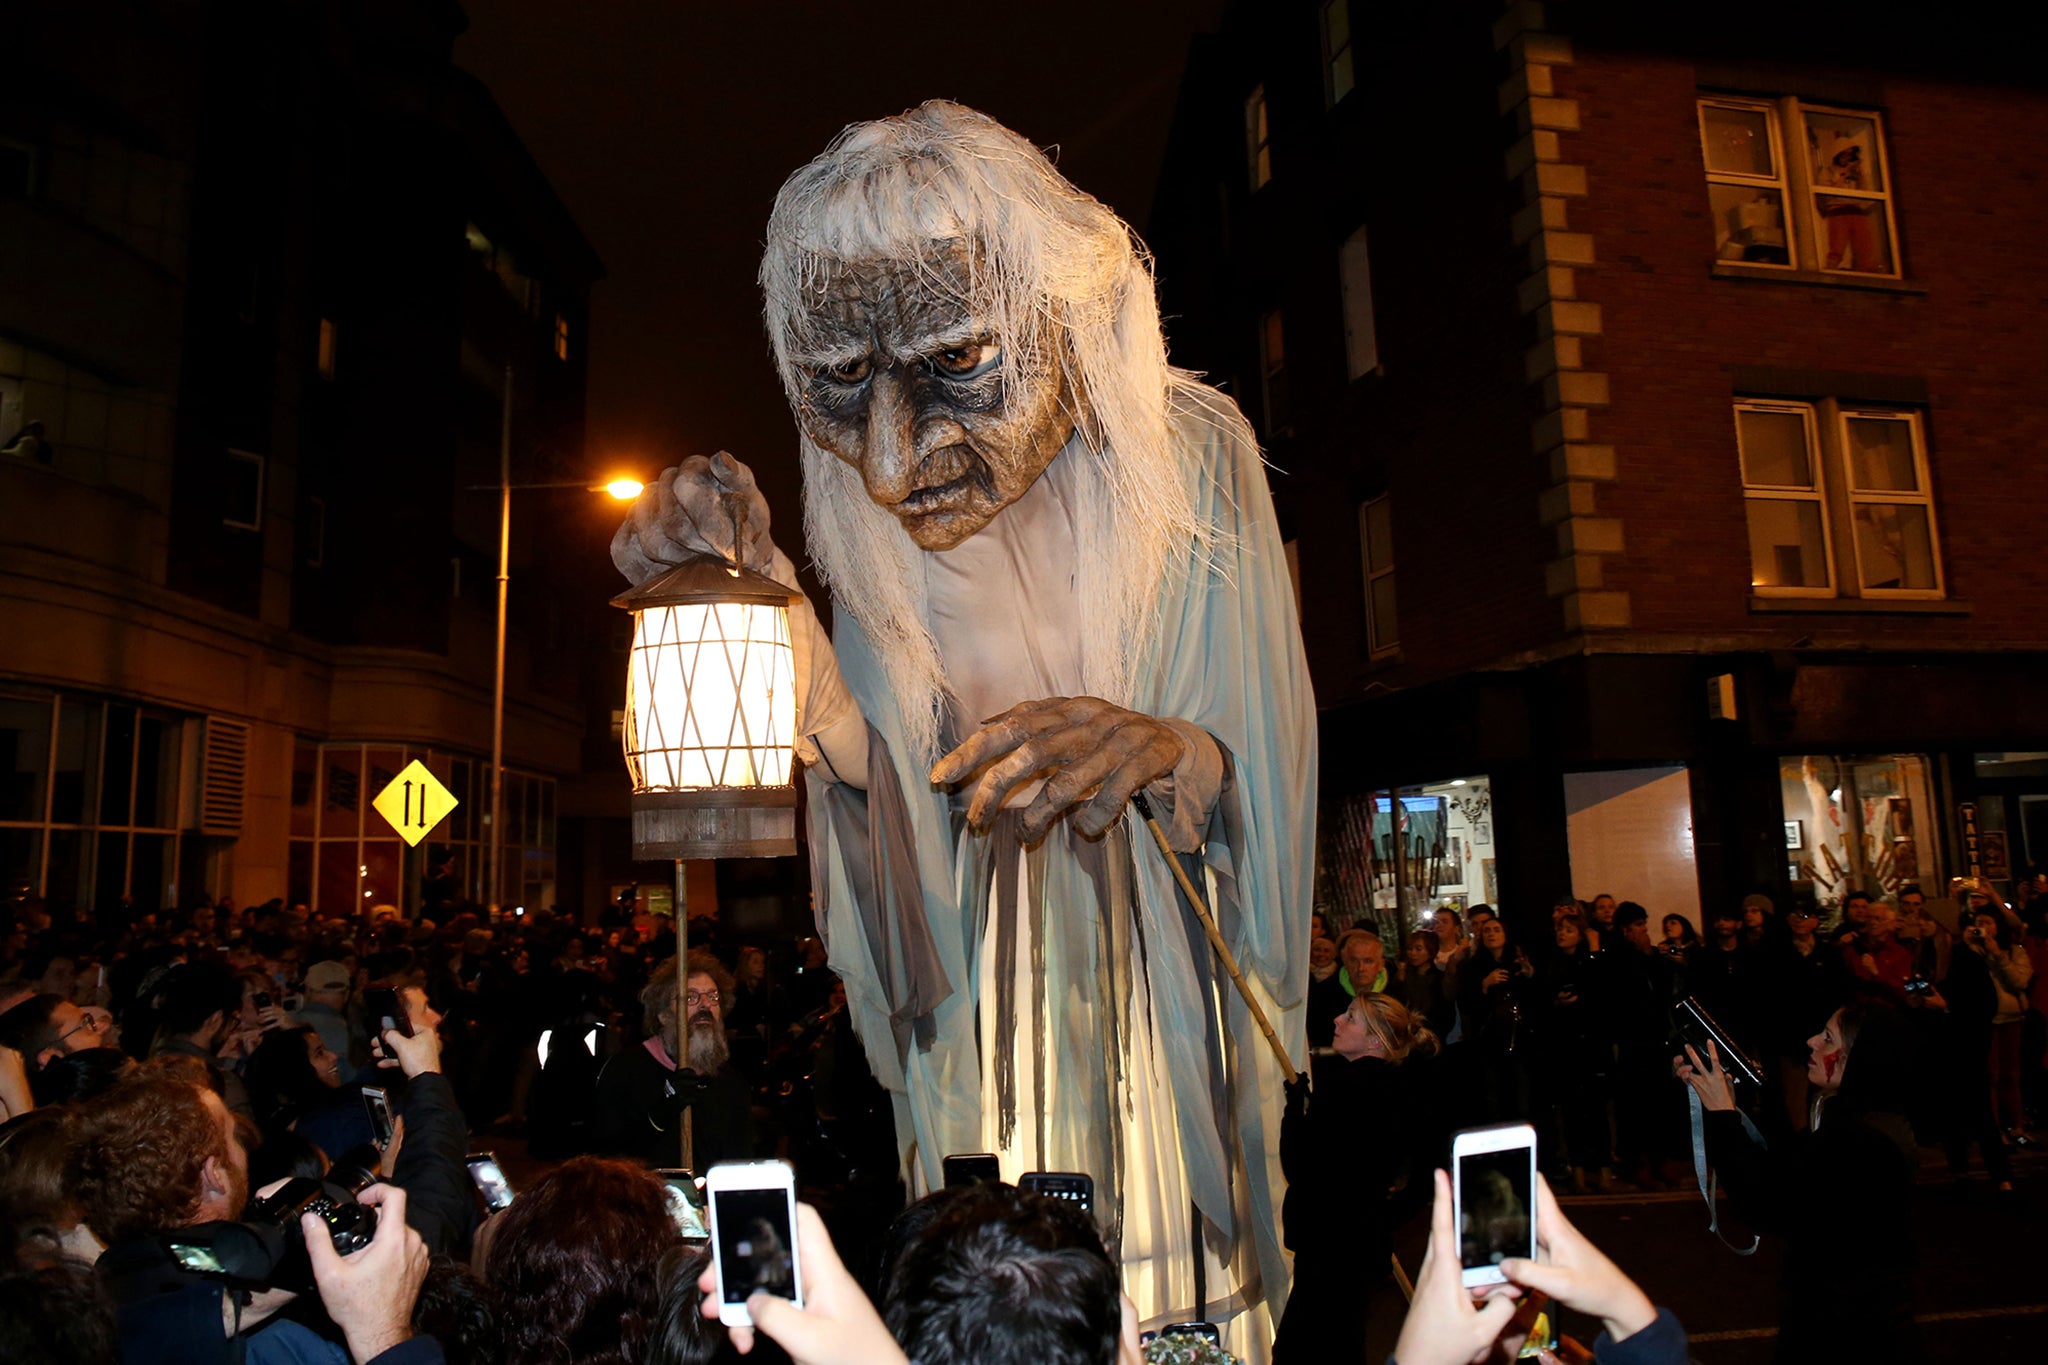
(668, 125)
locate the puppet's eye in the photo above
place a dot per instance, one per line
(966, 362)
(849, 371)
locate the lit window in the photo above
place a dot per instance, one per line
(1832, 484)
(1821, 203)
(1376, 534)
(325, 359)
(1337, 72)
(1354, 276)
(561, 337)
(1273, 372)
(242, 491)
(1258, 139)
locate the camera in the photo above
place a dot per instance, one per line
(267, 1249)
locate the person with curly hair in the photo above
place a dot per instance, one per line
(575, 1262)
(682, 1070)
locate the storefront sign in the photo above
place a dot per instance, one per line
(1966, 815)
(1997, 860)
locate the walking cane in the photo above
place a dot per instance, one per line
(1201, 905)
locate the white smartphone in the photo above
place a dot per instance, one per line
(753, 1235)
(378, 1103)
(1493, 1188)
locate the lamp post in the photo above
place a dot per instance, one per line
(710, 729)
(623, 489)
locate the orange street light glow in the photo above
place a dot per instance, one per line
(625, 490)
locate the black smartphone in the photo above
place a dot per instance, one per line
(685, 1193)
(381, 1122)
(1696, 1028)
(1072, 1186)
(489, 1179)
(382, 1005)
(971, 1168)
(262, 1000)
(1208, 1331)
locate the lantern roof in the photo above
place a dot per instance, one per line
(705, 579)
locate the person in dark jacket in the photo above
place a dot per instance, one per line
(650, 1098)
(1341, 1147)
(1575, 1058)
(1495, 995)
(430, 1168)
(1639, 985)
(1424, 987)
(1840, 1194)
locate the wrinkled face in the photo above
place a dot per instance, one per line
(903, 380)
(1364, 959)
(701, 999)
(1881, 920)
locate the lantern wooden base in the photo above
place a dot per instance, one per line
(729, 822)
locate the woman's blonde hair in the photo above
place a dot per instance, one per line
(1395, 1025)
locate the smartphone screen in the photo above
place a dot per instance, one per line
(379, 1105)
(1074, 1187)
(685, 1204)
(755, 1244)
(196, 1258)
(971, 1168)
(1496, 1198)
(489, 1179)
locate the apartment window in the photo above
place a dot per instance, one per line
(242, 491)
(561, 337)
(1376, 535)
(324, 357)
(1258, 139)
(1273, 371)
(1797, 185)
(1338, 75)
(1839, 500)
(1354, 275)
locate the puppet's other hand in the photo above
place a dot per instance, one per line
(1095, 755)
(694, 510)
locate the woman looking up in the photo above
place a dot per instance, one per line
(1840, 1194)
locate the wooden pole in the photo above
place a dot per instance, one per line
(1216, 942)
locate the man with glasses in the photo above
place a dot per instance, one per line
(45, 1027)
(674, 1100)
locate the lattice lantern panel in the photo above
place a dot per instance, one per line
(710, 697)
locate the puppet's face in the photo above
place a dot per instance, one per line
(903, 380)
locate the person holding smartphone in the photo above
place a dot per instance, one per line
(1839, 1194)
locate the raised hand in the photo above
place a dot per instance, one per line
(1444, 1326)
(1088, 745)
(1706, 1077)
(1575, 1273)
(692, 510)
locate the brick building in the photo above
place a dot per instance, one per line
(1656, 417)
(262, 270)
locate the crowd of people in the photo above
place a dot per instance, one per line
(189, 1169)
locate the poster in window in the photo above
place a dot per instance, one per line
(1993, 857)
(1795, 835)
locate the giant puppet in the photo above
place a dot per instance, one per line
(1057, 581)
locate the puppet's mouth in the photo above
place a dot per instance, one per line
(936, 498)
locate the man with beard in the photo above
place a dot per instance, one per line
(1057, 582)
(644, 1095)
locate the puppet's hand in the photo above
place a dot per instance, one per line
(693, 510)
(1096, 755)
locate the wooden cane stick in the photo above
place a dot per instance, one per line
(1195, 899)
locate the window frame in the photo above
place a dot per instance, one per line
(1376, 648)
(1273, 371)
(1805, 230)
(1334, 53)
(1258, 139)
(1834, 490)
(231, 454)
(1922, 496)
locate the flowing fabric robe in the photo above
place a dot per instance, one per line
(1072, 978)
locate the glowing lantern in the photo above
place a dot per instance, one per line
(710, 728)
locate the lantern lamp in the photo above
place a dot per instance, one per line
(710, 727)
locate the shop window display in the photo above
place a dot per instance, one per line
(1859, 822)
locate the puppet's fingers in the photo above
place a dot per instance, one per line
(1062, 744)
(1149, 752)
(1067, 787)
(1004, 733)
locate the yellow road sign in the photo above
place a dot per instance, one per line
(415, 802)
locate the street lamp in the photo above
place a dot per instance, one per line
(623, 489)
(710, 727)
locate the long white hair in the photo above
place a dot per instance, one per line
(1056, 274)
